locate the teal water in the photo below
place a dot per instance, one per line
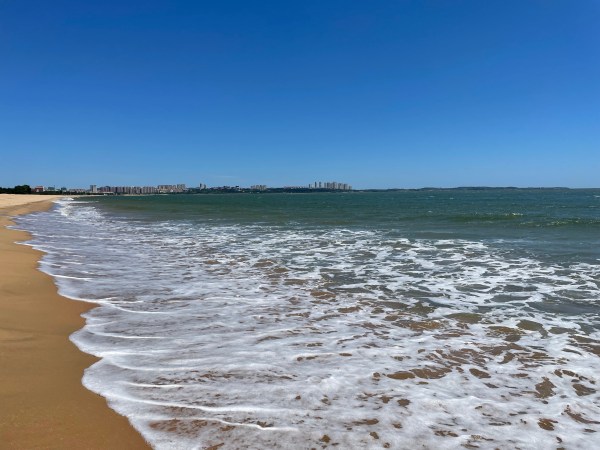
(413, 319)
(560, 224)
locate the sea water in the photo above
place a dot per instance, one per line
(414, 319)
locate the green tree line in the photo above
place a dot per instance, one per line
(21, 189)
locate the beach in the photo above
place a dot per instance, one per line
(424, 319)
(44, 404)
(417, 319)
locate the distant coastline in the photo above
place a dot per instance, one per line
(298, 190)
(278, 190)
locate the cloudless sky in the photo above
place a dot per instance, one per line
(373, 93)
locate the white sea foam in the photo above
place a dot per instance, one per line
(265, 337)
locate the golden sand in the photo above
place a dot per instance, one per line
(43, 404)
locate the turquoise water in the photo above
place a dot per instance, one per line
(554, 213)
(430, 319)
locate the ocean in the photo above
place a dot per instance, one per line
(431, 319)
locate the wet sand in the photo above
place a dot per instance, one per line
(43, 403)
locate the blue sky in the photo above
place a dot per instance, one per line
(374, 93)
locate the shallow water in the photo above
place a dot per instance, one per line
(430, 319)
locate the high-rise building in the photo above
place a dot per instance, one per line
(333, 185)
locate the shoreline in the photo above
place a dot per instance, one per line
(44, 403)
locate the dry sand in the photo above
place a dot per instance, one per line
(43, 404)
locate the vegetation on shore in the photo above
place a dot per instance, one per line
(20, 189)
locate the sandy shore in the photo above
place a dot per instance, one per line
(43, 404)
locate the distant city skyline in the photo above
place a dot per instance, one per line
(178, 188)
(384, 94)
